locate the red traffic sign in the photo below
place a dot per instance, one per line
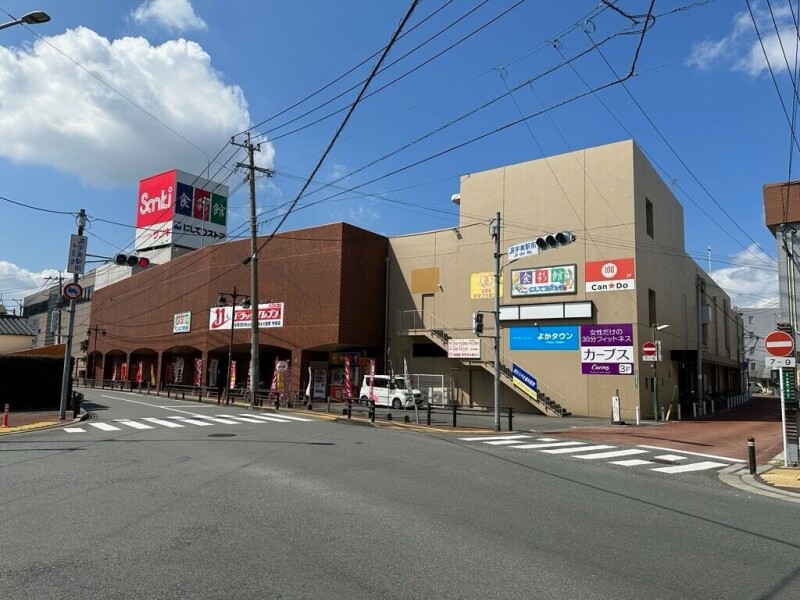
(779, 343)
(72, 291)
(649, 349)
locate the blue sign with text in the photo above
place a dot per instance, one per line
(565, 337)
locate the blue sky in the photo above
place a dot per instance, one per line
(108, 93)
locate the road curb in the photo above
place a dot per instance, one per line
(740, 478)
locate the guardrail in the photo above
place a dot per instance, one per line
(451, 411)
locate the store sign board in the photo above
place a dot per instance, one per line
(607, 349)
(543, 281)
(610, 275)
(269, 315)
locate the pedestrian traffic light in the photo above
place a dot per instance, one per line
(554, 240)
(131, 260)
(477, 323)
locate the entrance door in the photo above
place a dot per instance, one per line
(428, 311)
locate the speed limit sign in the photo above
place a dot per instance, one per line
(72, 291)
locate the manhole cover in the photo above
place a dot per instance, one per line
(221, 435)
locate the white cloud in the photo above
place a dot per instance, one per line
(753, 284)
(16, 282)
(338, 172)
(56, 114)
(175, 15)
(741, 49)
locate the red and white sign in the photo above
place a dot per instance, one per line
(610, 275)
(269, 315)
(779, 343)
(649, 349)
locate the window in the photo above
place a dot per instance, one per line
(752, 351)
(749, 319)
(752, 367)
(648, 207)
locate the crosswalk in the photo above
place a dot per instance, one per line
(649, 457)
(178, 421)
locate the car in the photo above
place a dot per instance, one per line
(756, 388)
(386, 392)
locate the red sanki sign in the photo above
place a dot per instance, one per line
(779, 343)
(649, 349)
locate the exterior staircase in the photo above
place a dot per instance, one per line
(421, 323)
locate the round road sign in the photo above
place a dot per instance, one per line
(649, 349)
(73, 291)
(779, 343)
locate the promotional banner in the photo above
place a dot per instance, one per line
(607, 349)
(463, 348)
(372, 395)
(123, 372)
(320, 381)
(348, 383)
(212, 372)
(152, 375)
(269, 315)
(481, 285)
(139, 372)
(198, 371)
(524, 381)
(232, 375)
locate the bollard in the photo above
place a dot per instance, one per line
(679, 411)
(638, 417)
(371, 412)
(429, 414)
(751, 454)
(388, 416)
(5, 415)
(663, 418)
(349, 411)
(455, 412)
(510, 418)
(406, 419)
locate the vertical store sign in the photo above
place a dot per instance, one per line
(76, 261)
(607, 349)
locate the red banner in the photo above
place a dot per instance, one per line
(348, 384)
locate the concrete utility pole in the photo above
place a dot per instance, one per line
(496, 236)
(254, 343)
(76, 268)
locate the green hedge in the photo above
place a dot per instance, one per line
(31, 382)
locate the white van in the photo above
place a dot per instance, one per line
(385, 394)
(756, 388)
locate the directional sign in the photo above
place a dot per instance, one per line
(779, 343)
(779, 362)
(72, 291)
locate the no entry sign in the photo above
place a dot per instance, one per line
(649, 349)
(779, 343)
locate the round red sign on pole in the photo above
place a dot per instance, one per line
(779, 343)
(649, 349)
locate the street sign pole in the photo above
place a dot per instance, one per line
(76, 263)
(783, 418)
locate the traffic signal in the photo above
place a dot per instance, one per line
(554, 240)
(477, 323)
(131, 260)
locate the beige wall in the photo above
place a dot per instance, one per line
(599, 194)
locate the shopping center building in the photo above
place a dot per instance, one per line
(580, 323)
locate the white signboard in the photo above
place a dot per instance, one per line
(182, 322)
(76, 261)
(776, 362)
(269, 315)
(522, 249)
(467, 348)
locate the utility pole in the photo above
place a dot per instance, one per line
(76, 261)
(254, 344)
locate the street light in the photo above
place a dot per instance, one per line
(655, 328)
(32, 18)
(222, 301)
(95, 329)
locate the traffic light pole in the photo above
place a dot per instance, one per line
(62, 412)
(496, 233)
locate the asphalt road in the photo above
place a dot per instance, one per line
(316, 509)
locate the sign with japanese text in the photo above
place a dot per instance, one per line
(565, 337)
(543, 281)
(177, 208)
(522, 250)
(182, 322)
(610, 275)
(524, 381)
(607, 349)
(269, 315)
(76, 261)
(466, 348)
(481, 285)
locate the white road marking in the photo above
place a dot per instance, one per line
(547, 445)
(133, 424)
(248, 419)
(74, 430)
(271, 419)
(104, 426)
(734, 460)
(484, 438)
(291, 418)
(192, 421)
(218, 420)
(612, 454)
(671, 457)
(581, 449)
(701, 466)
(633, 462)
(501, 442)
(161, 422)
